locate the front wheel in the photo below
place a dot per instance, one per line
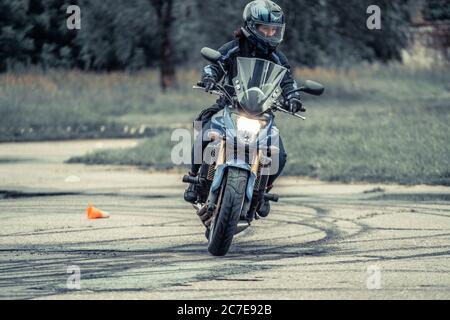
(224, 225)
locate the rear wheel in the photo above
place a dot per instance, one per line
(224, 225)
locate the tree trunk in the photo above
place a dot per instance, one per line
(167, 68)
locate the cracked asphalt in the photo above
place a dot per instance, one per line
(321, 241)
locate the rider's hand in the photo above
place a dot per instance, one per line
(295, 105)
(209, 83)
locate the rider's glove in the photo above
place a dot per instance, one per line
(294, 104)
(209, 83)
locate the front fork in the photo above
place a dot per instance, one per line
(252, 199)
(255, 190)
(213, 196)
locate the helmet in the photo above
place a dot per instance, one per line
(264, 24)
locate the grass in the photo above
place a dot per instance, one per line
(74, 104)
(391, 142)
(152, 152)
(374, 123)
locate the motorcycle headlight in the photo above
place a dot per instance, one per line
(247, 129)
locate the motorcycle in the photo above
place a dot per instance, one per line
(242, 151)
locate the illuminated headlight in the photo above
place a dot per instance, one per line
(247, 129)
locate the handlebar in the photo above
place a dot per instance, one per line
(220, 92)
(277, 106)
(217, 92)
(293, 114)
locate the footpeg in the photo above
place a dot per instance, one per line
(241, 226)
(190, 179)
(204, 215)
(271, 197)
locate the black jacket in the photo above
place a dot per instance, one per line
(241, 47)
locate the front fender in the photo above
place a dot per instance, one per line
(220, 170)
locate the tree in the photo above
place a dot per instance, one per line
(163, 10)
(436, 10)
(117, 35)
(15, 44)
(135, 34)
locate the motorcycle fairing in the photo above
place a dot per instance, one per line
(257, 84)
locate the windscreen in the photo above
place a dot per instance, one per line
(257, 84)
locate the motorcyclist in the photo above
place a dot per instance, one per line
(259, 37)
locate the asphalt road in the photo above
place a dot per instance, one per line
(321, 241)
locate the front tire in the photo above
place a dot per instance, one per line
(224, 225)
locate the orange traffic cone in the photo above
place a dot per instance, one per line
(94, 213)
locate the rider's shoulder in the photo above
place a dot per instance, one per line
(280, 57)
(229, 48)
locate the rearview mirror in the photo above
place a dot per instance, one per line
(210, 54)
(312, 87)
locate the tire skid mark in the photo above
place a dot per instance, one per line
(244, 257)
